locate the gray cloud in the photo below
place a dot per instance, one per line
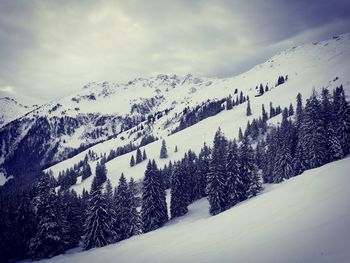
(51, 48)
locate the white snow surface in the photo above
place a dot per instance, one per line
(304, 219)
(311, 66)
(10, 109)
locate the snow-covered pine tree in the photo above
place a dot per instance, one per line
(154, 212)
(313, 135)
(97, 228)
(138, 156)
(163, 151)
(234, 181)
(123, 204)
(248, 170)
(270, 156)
(283, 165)
(144, 155)
(202, 170)
(178, 202)
(135, 219)
(25, 227)
(217, 177)
(111, 212)
(190, 167)
(48, 240)
(342, 112)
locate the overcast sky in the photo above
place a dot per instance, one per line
(50, 49)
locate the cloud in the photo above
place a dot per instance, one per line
(7, 90)
(52, 48)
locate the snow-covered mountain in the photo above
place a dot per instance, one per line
(117, 114)
(10, 109)
(301, 220)
(312, 66)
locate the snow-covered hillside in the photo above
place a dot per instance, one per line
(304, 219)
(311, 66)
(11, 109)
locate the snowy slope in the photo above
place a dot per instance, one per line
(11, 109)
(304, 219)
(314, 65)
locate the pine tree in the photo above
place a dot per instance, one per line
(71, 220)
(264, 113)
(217, 179)
(272, 111)
(291, 110)
(176, 150)
(234, 181)
(48, 241)
(163, 151)
(283, 165)
(123, 203)
(248, 170)
(25, 227)
(229, 103)
(138, 156)
(261, 89)
(132, 161)
(249, 111)
(86, 171)
(101, 174)
(201, 172)
(111, 212)
(154, 212)
(313, 134)
(342, 113)
(178, 202)
(299, 112)
(135, 219)
(240, 134)
(144, 155)
(97, 229)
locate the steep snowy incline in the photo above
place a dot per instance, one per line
(315, 65)
(304, 219)
(11, 109)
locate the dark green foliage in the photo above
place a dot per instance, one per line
(216, 179)
(163, 151)
(48, 240)
(154, 212)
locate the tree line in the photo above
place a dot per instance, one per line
(43, 222)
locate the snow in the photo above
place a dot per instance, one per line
(311, 66)
(10, 109)
(304, 219)
(4, 179)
